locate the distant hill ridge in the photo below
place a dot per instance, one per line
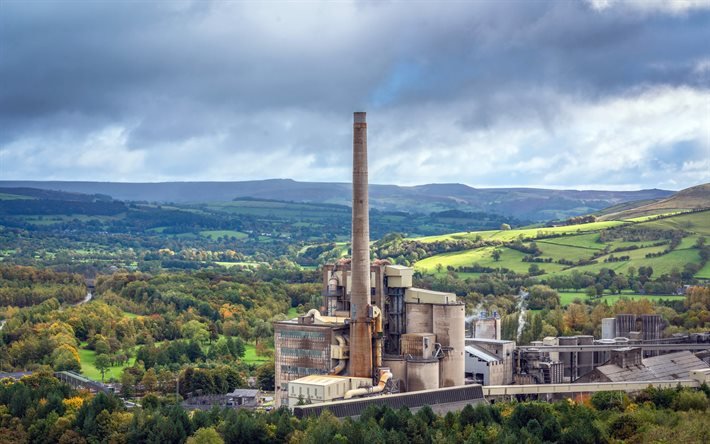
(524, 203)
(692, 198)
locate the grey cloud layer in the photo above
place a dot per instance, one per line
(484, 93)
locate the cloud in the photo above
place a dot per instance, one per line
(474, 92)
(661, 6)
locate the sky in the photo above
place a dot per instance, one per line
(596, 94)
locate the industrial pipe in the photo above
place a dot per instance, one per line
(385, 375)
(315, 314)
(341, 362)
(379, 331)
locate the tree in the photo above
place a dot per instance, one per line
(65, 357)
(262, 329)
(504, 227)
(542, 296)
(205, 436)
(128, 381)
(195, 330)
(265, 376)
(149, 381)
(576, 317)
(102, 347)
(496, 254)
(102, 363)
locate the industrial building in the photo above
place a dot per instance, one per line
(376, 333)
(486, 326)
(627, 364)
(484, 367)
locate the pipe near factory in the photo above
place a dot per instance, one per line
(360, 308)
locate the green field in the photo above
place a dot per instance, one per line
(704, 272)
(88, 360)
(215, 234)
(88, 367)
(582, 246)
(567, 297)
(529, 233)
(240, 264)
(6, 196)
(250, 356)
(613, 298)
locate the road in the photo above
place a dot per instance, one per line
(86, 299)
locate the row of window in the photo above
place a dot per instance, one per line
(305, 371)
(299, 334)
(299, 352)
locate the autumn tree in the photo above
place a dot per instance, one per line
(102, 363)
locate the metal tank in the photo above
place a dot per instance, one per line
(625, 324)
(450, 331)
(568, 359)
(585, 360)
(422, 374)
(608, 328)
(419, 318)
(651, 327)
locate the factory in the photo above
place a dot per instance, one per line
(375, 333)
(377, 339)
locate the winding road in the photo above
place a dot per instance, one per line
(85, 300)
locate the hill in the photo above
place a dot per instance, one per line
(664, 243)
(696, 197)
(523, 203)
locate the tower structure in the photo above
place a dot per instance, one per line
(361, 318)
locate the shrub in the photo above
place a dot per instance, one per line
(690, 400)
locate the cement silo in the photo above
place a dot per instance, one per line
(585, 359)
(419, 318)
(608, 328)
(651, 329)
(398, 368)
(625, 324)
(568, 359)
(422, 374)
(449, 328)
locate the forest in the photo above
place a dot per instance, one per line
(41, 409)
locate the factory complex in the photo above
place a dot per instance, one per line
(378, 339)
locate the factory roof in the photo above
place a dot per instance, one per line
(491, 341)
(321, 379)
(399, 267)
(671, 366)
(481, 354)
(244, 393)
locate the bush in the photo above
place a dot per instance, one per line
(690, 400)
(624, 427)
(610, 401)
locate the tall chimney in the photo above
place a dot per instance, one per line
(360, 316)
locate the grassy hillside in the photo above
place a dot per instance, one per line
(529, 233)
(585, 247)
(688, 199)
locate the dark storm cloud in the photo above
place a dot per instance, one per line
(236, 90)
